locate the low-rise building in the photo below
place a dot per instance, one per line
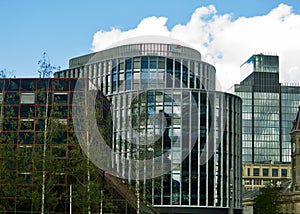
(260, 175)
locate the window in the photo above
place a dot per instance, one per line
(27, 111)
(26, 124)
(11, 98)
(25, 178)
(121, 65)
(255, 171)
(265, 172)
(24, 158)
(161, 63)
(283, 172)
(61, 85)
(61, 98)
(27, 98)
(26, 137)
(12, 85)
(144, 64)
(128, 65)
(248, 182)
(136, 63)
(274, 172)
(59, 151)
(28, 85)
(153, 63)
(257, 182)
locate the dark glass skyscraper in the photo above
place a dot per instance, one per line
(268, 111)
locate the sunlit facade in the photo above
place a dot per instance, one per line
(148, 77)
(260, 175)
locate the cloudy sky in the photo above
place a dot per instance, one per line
(226, 33)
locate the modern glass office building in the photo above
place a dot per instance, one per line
(268, 111)
(167, 113)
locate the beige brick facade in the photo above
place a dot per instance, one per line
(260, 175)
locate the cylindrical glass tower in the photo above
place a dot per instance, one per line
(172, 130)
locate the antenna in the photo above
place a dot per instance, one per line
(46, 69)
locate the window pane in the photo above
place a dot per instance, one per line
(12, 85)
(153, 61)
(27, 98)
(265, 172)
(28, 85)
(274, 172)
(11, 98)
(59, 151)
(136, 63)
(161, 63)
(283, 172)
(255, 171)
(61, 98)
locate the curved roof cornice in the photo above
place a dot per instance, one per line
(149, 39)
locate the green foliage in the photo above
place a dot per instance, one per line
(87, 182)
(268, 201)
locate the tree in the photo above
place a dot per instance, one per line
(268, 201)
(21, 159)
(6, 74)
(40, 154)
(84, 198)
(8, 149)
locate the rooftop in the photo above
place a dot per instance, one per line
(149, 39)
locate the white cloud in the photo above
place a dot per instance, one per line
(148, 26)
(227, 43)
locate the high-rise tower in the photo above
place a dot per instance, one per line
(268, 111)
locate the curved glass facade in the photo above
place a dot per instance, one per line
(137, 63)
(164, 103)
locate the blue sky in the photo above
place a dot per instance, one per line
(64, 29)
